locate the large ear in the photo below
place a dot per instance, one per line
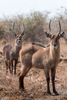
(61, 35)
(48, 35)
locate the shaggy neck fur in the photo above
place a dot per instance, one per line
(17, 48)
(55, 52)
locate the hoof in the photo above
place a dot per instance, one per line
(49, 92)
(56, 93)
(22, 89)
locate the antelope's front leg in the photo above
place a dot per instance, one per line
(53, 71)
(15, 67)
(48, 80)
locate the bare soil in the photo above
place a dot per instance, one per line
(35, 83)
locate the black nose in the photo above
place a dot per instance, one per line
(19, 41)
(55, 44)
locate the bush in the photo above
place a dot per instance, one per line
(34, 27)
(36, 24)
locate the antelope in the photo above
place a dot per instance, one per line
(43, 58)
(11, 52)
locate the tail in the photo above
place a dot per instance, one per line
(1, 54)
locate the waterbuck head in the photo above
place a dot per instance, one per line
(18, 37)
(54, 37)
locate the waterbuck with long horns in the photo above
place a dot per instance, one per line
(11, 52)
(44, 58)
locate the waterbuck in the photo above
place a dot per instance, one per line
(43, 58)
(11, 52)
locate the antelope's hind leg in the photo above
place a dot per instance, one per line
(24, 70)
(10, 66)
(6, 64)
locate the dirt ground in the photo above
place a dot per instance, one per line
(35, 82)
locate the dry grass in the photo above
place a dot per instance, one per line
(35, 82)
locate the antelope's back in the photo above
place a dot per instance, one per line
(30, 52)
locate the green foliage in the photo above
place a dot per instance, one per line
(34, 27)
(35, 23)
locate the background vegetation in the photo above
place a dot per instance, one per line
(36, 24)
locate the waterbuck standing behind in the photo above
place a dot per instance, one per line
(11, 52)
(44, 58)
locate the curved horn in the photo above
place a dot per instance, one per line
(49, 26)
(23, 30)
(13, 25)
(13, 28)
(59, 27)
